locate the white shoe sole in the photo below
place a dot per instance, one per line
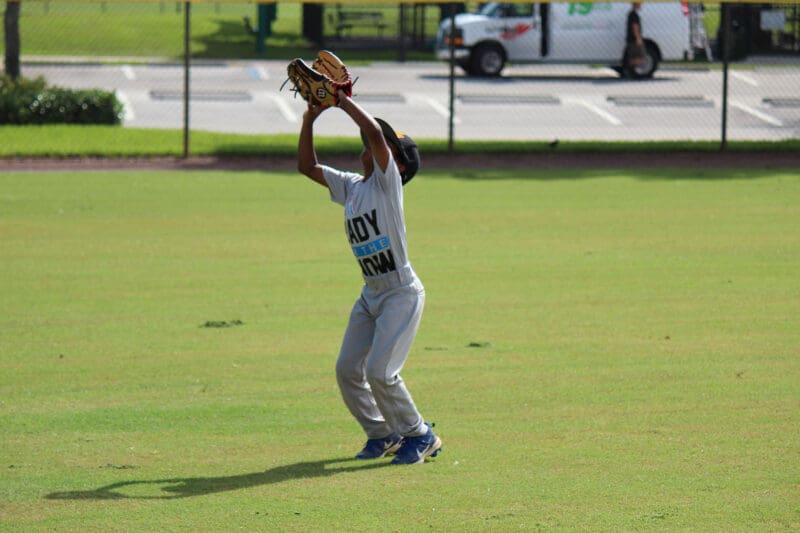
(430, 451)
(391, 450)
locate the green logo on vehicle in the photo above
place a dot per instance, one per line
(585, 8)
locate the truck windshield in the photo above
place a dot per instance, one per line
(505, 10)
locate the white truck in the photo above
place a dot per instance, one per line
(561, 32)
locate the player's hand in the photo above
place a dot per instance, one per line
(314, 110)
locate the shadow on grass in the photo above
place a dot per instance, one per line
(174, 488)
(601, 77)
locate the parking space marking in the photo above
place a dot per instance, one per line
(769, 119)
(128, 72)
(529, 99)
(258, 73)
(744, 77)
(381, 98)
(284, 107)
(202, 96)
(597, 110)
(127, 107)
(782, 102)
(661, 101)
(436, 106)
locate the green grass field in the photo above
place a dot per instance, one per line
(601, 350)
(72, 140)
(155, 29)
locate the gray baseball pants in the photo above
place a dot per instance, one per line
(382, 327)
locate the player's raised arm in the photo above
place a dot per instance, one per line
(370, 127)
(307, 162)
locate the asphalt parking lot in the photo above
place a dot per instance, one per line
(536, 102)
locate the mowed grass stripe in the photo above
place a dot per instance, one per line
(601, 350)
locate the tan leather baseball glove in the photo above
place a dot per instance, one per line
(319, 83)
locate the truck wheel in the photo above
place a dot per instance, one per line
(487, 60)
(648, 66)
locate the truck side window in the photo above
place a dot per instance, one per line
(524, 10)
(507, 10)
(513, 10)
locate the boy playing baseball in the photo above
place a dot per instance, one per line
(384, 319)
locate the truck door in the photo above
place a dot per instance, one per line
(580, 31)
(519, 30)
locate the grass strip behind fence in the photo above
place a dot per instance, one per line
(112, 141)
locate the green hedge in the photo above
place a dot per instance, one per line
(25, 101)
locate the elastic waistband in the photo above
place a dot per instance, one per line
(390, 280)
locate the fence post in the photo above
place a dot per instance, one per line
(267, 13)
(452, 43)
(186, 55)
(726, 46)
(401, 44)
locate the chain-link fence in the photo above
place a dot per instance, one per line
(539, 72)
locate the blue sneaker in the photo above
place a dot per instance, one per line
(414, 450)
(377, 448)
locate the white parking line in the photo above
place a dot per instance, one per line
(744, 77)
(284, 107)
(756, 113)
(435, 105)
(258, 73)
(597, 110)
(128, 72)
(127, 113)
(606, 72)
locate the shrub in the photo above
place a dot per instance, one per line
(25, 101)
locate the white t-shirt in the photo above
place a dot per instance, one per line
(373, 217)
